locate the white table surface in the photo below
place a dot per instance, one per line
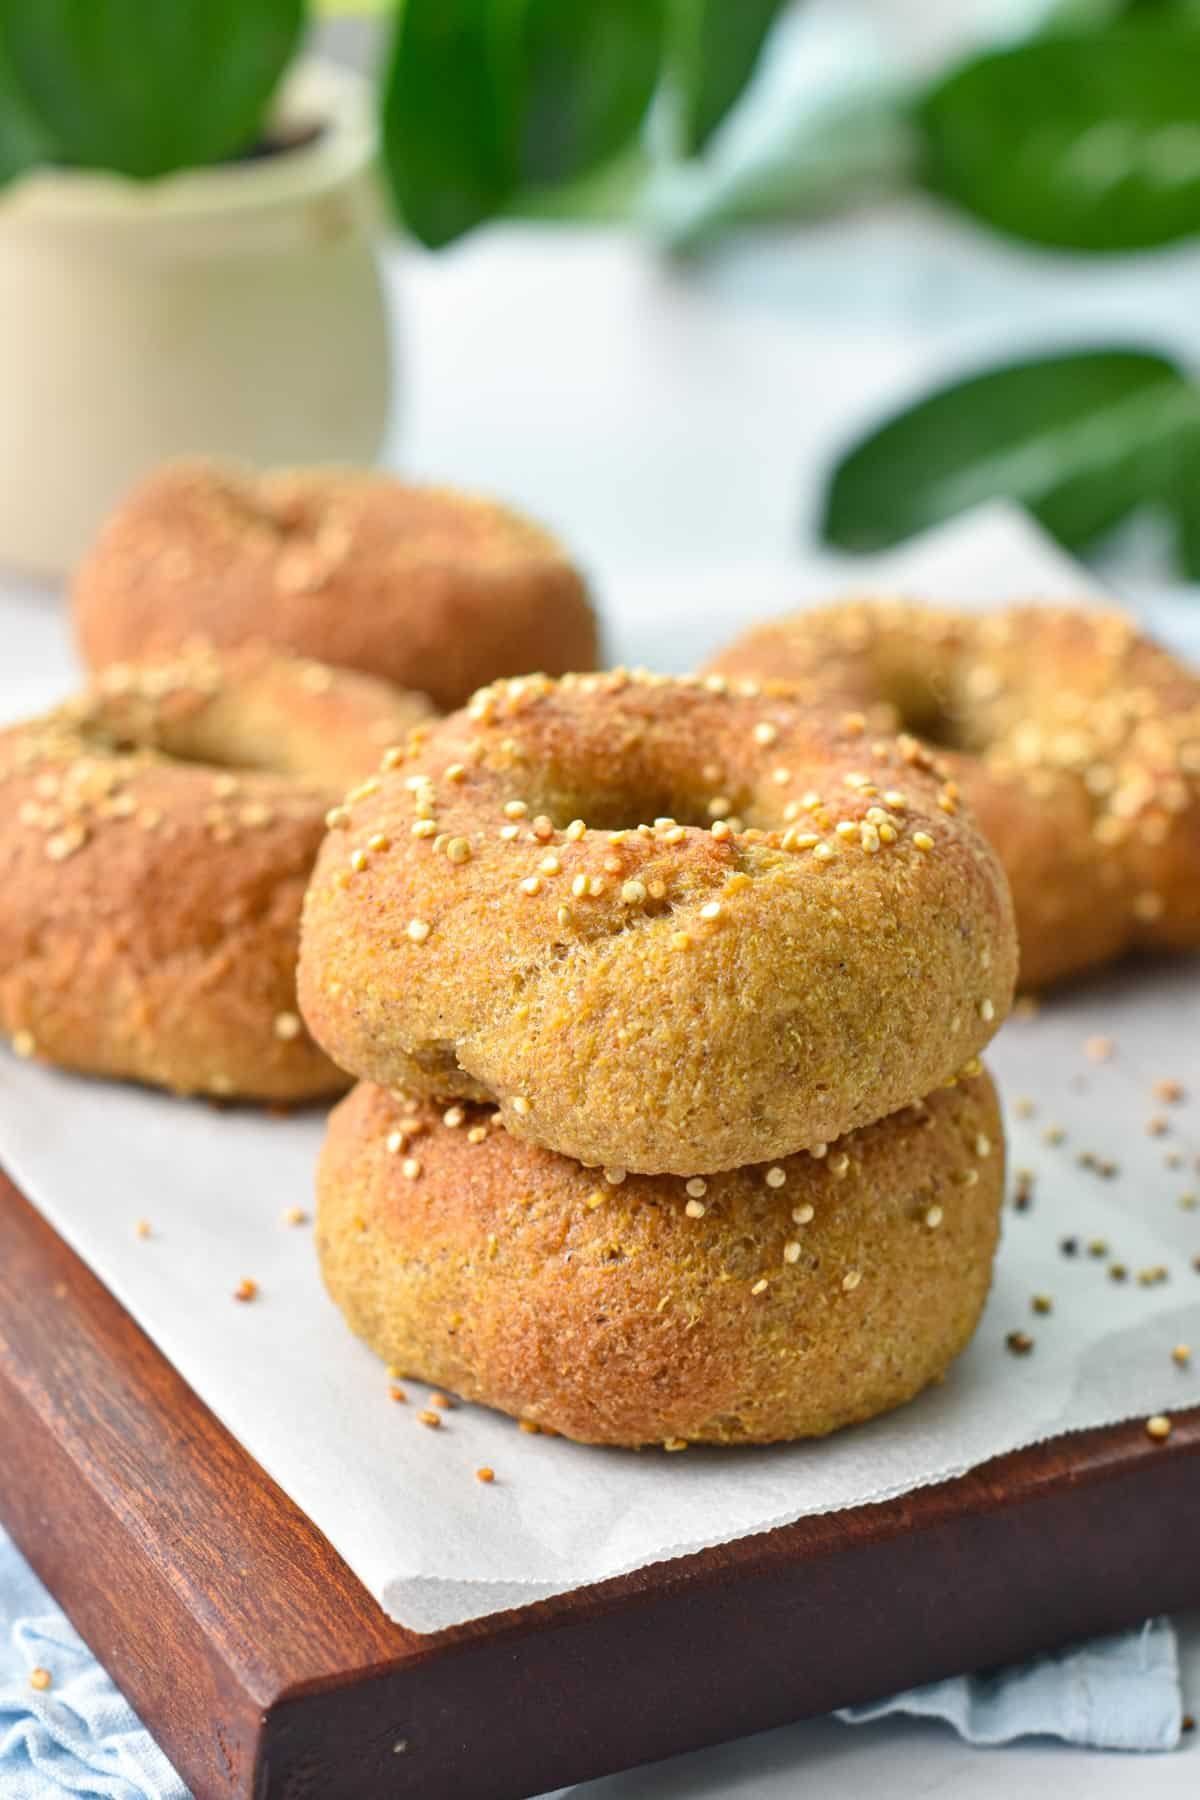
(678, 421)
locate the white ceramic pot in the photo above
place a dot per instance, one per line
(235, 310)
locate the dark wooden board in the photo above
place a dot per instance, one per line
(265, 1669)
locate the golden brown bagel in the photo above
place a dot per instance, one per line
(805, 1295)
(428, 588)
(149, 905)
(1075, 738)
(511, 913)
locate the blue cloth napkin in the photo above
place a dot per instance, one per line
(78, 1736)
(1116, 1693)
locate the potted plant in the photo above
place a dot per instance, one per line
(188, 234)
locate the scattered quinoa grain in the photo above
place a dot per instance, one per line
(246, 1289)
(1158, 1427)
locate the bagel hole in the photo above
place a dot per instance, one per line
(621, 807)
(926, 709)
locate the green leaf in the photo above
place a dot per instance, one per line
(1183, 508)
(447, 136)
(587, 73)
(1080, 440)
(23, 143)
(486, 97)
(1088, 140)
(715, 50)
(147, 88)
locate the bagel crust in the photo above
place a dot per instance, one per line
(1076, 741)
(149, 906)
(777, 1301)
(428, 588)
(498, 919)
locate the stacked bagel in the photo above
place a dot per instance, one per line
(666, 998)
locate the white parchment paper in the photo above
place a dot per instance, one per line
(400, 1502)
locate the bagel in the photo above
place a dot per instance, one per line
(498, 919)
(791, 1299)
(1075, 738)
(428, 588)
(150, 900)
